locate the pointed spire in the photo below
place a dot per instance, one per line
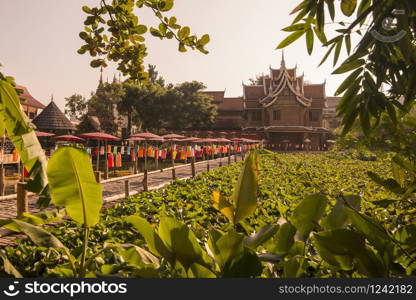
(101, 76)
(101, 83)
(283, 62)
(52, 97)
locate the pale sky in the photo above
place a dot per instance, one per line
(39, 40)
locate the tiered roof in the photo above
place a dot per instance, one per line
(280, 79)
(52, 118)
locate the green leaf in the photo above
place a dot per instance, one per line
(404, 163)
(295, 27)
(337, 218)
(373, 231)
(331, 9)
(153, 241)
(245, 265)
(348, 7)
(198, 271)
(21, 133)
(283, 240)
(204, 40)
(244, 196)
(347, 82)
(39, 236)
(390, 184)
(290, 39)
(398, 173)
(309, 211)
(8, 267)
(339, 247)
(294, 267)
(138, 256)
(309, 40)
(221, 203)
(348, 43)
(261, 236)
(327, 54)
(184, 32)
(73, 185)
(225, 247)
(182, 242)
(141, 29)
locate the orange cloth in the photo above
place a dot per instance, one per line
(15, 155)
(141, 152)
(118, 160)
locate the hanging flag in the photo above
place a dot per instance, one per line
(110, 160)
(118, 160)
(115, 150)
(122, 150)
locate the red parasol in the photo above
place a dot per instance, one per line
(172, 136)
(68, 137)
(100, 136)
(191, 140)
(148, 136)
(223, 140)
(134, 139)
(207, 140)
(42, 134)
(236, 140)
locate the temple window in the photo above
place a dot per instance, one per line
(277, 115)
(256, 116)
(314, 115)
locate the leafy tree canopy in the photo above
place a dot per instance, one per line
(75, 106)
(113, 32)
(385, 55)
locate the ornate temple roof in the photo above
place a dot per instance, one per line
(29, 100)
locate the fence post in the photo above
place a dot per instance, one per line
(106, 171)
(208, 167)
(127, 188)
(97, 176)
(193, 166)
(22, 203)
(173, 173)
(145, 181)
(2, 185)
(229, 158)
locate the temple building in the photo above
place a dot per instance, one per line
(30, 104)
(281, 108)
(53, 120)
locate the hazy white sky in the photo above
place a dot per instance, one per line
(39, 40)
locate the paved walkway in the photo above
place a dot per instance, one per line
(114, 189)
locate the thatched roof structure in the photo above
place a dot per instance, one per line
(53, 119)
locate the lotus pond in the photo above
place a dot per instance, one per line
(299, 227)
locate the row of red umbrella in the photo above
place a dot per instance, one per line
(141, 137)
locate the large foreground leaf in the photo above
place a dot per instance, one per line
(308, 213)
(21, 132)
(73, 185)
(244, 196)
